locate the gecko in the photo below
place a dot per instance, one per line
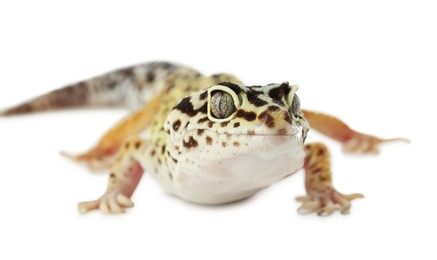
(206, 139)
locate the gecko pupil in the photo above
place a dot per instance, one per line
(222, 104)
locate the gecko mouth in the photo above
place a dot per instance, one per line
(246, 142)
(261, 130)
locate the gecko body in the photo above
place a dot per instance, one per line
(207, 139)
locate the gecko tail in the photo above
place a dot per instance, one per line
(114, 89)
(73, 96)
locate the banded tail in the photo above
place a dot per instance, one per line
(125, 88)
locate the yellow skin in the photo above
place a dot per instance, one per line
(207, 139)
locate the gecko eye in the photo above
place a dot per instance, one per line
(295, 105)
(221, 104)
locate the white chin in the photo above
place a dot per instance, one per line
(234, 174)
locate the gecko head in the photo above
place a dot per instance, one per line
(230, 110)
(229, 121)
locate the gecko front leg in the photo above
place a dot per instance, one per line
(125, 175)
(321, 196)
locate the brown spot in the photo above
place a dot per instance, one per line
(210, 124)
(127, 145)
(282, 131)
(224, 124)
(236, 144)
(200, 131)
(280, 92)
(137, 144)
(176, 147)
(185, 106)
(152, 153)
(174, 160)
(203, 95)
(249, 116)
(316, 170)
(321, 152)
(112, 175)
(217, 77)
(191, 143)
(273, 108)
(255, 100)
(150, 77)
(224, 144)
(236, 124)
(163, 149)
(267, 119)
(232, 86)
(166, 65)
(176, 124)
(241, 113)
(126, 72)
(208, 140)
(324, 178)
(202, 120)
(250, 132)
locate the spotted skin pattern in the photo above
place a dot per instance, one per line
(206, 139)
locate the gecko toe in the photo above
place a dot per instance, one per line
(124, 201)
(112, 202)
(87, 206)
(326, 203)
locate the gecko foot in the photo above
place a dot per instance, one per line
(325, 201)
(112, 202)
(362, 143)
(90, 160)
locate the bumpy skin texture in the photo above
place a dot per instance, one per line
(207, 139)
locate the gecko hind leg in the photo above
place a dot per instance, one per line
(102, 155)
(322, 198)
(353, 141)
(125, 175)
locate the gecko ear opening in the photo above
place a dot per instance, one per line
(222, 103)
(293, 100)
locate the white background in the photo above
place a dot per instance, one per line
(371, 63)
